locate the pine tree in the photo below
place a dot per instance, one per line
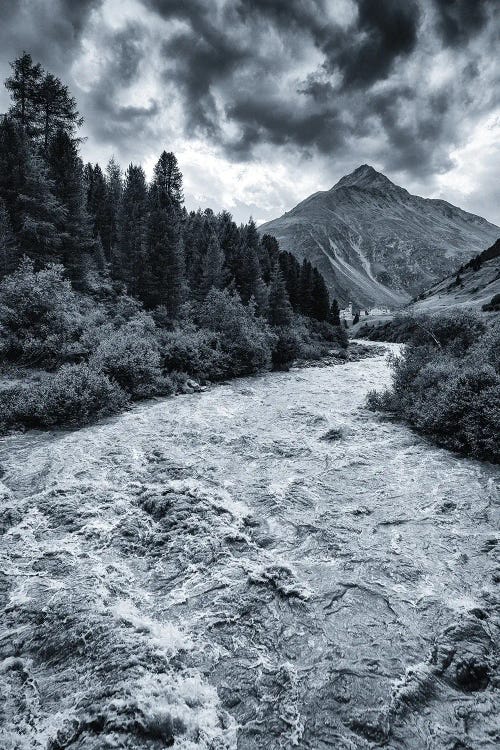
(9, 253)
(164, 277)
(251, 239)
(66, 171)
(13, 157)
(167, 181)
(28, 193)
(279, 308)
(334, 314)
(290, 268)
(56, 109)
(99, 208)
(320, 298)
(213, 261)
(114, 184)
(164, 282)
(272, 249)
(229, 239)
(194, 241)
(261, 297)
(133, 218)
(23, 86)
(355, 319)
(42, 214)
(306, 288)
(246, 270)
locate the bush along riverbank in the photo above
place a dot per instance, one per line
(93, 358)
(446, 383)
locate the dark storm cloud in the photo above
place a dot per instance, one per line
(49, 29)
(219, 59)
(365, 52)
(215, 44)
(199, 64)
(459, 20)
(384, 32)
(263, 120)
(112, 122)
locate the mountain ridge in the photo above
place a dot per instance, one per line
(375, 242)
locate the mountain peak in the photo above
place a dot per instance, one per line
(366, 177)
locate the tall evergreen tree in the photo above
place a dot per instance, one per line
(114, 184)
(56, 109)
(247, 270)
(270, 251)
(213, 261)
(290, 268)
(334, 313)
(132, 235)
(320, 297)
(13, 157)
(28, 193)
(66, 171)
(167, 181)
(9, 253)
(279, 308)
(165, 283)
(251, 238)
(99, 208)
(229, 239)
(23, 86)
(306, 288)
(164, 277)
(195, 237)
(42, 214)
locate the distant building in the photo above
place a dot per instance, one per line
(379, 311)
(346, 313)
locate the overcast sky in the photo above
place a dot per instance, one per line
(267, 101)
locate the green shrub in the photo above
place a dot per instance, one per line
(493, 305)
(305, 338)
(454, 331)
(41, 317)
(74, 395)
(196, 352)
(323, 331)
(245, 338)
(287, 347)
(446, 384)
(130, 355)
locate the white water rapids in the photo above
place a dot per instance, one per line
(207, 572)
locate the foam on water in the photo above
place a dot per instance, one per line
(211, 571)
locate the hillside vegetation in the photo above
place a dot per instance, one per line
(475, 285)
(111, 291)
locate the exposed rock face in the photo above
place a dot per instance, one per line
(375, 243)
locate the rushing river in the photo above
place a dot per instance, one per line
(209, 572)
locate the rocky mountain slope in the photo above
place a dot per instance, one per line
(475, 285)
(375, 243)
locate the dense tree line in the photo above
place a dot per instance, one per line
(117, 236)
(55, 209)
